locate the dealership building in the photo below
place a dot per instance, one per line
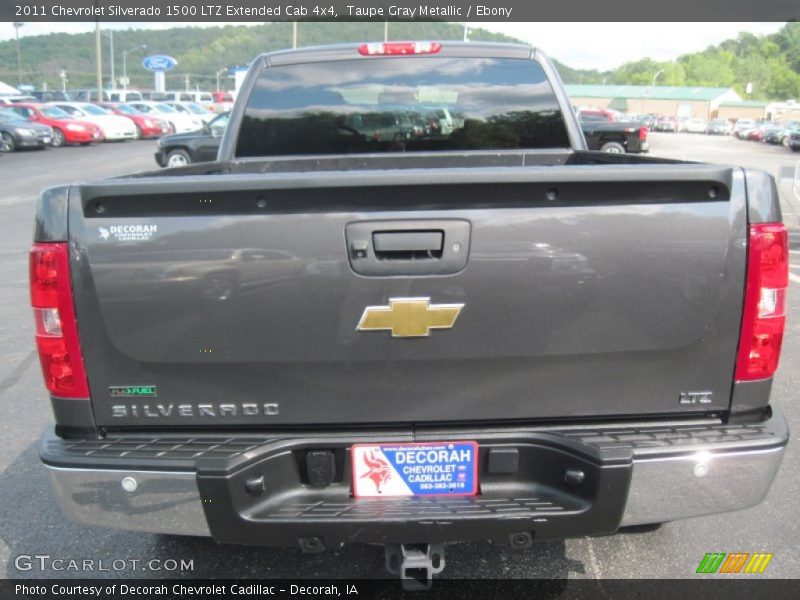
(675, 101)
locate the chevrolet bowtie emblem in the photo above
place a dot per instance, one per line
(409, 317)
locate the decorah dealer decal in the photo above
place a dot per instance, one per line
(127, 233)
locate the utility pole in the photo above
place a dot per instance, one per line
(17, 26)
(110, 35)
(294, 34)
(466, 32)
(386, 31)
(186, 81)
(99, 59)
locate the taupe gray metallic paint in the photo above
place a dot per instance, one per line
(570, 311)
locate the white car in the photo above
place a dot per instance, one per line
(743, 125)
(193, 108)
(114, 127)
(181, 122)
(696, 125)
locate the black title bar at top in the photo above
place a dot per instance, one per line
(404, 10)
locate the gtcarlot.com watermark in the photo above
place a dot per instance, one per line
(46, 563)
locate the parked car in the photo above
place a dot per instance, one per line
(66, 130)
(91, 95)
(719, 127)
(601, 114)
(667, 124)
(788, 127)
(369, 384)
(180, 121)
(752, 135)
(193, 108)
(183, 149)
(16, 133)
(125, 96)
(696, 125)
(114, 127)
(50, 96)
(205, 99)
(793, 139)
(603, 131)
(147, 126)
(223, 101)
(742, 126)
(86, 95)
(772, 133)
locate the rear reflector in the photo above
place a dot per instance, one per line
(764, 315)
(54, 314)
(395, 48)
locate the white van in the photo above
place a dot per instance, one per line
(204, 99)
(125, 96)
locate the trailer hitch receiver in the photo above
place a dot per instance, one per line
(416, 564)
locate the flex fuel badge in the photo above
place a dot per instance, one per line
(133, 391)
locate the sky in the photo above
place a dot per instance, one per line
(620, 42)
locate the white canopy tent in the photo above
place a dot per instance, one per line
(7, 90)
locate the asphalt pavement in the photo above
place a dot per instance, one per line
(32, 524)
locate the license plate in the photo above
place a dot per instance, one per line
(46, 139)
(415, 469)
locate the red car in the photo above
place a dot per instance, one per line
(147, 126)
(220, 97)
(66, 130)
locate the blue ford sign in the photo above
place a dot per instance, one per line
(159, 62)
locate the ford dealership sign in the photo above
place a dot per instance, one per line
(159, 62)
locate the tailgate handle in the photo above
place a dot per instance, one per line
(407, 245)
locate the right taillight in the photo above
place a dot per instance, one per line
(56, 329)
(764, 315)
(643, 133)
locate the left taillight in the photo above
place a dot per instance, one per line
(764, 314)
(54, 315)
(643, 133)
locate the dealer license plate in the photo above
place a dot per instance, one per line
(418, 469)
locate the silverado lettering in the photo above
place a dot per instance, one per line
(190, 410)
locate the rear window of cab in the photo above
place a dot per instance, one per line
(401, 104)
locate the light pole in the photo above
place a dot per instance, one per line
(125, 64)
(294, 34)
(110, 35)
(653, 87)
(656, 77)
(63, 75)
(17, 26)
(220, 72)
(466, 32)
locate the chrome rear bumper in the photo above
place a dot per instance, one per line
(666, 483)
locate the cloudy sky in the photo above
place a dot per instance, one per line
(619, 43)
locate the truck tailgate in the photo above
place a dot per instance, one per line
(584, 291)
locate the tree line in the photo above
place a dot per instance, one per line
(771, 63)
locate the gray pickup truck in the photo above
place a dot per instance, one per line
(467, 328)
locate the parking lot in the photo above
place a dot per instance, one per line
(31, 522)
